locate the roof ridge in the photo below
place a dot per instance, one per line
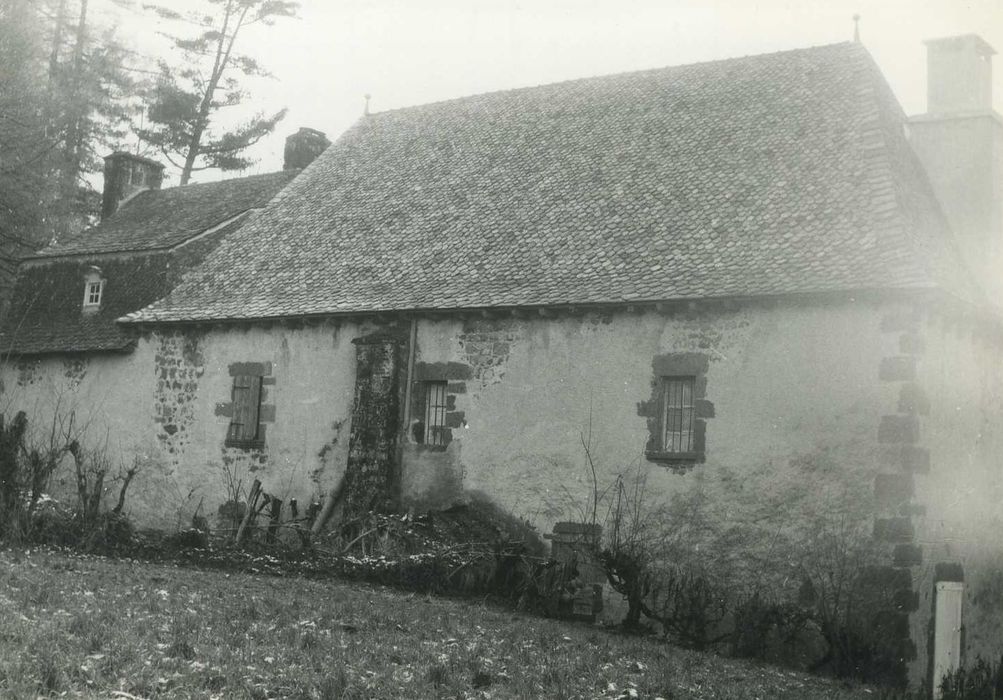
(243, 178)
(161, 218)
(606, 76)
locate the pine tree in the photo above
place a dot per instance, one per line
(63, 100)
(186, 99)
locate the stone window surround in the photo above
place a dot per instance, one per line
(675, 365)
(266, 411)
(455, 374)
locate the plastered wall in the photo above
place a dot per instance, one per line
(784, 383)
(959, 498)
(797, 397)
(165, 404)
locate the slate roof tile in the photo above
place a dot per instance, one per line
(164, 218)
(773, 174)
(46, 309)
(142, 251)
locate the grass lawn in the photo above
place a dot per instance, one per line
(81, 626)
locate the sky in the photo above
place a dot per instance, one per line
(408, 52)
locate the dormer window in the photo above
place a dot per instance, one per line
(93, 290)
(94, 293)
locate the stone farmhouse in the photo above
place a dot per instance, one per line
(740, 277)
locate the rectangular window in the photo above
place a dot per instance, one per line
(435, 413)
(246, 409)
(138, 175)
(677, 415)
(92, 293)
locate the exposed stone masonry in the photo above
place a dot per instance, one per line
(899, 436)
(179, 366)
(486, 345)
(372, 477)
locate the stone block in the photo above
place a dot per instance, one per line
(887, 577)
(892, 624)
(911, 343)
(890, 490)
(906, 600)
(907, 555)
(894, 530)
(898, 429)
(899, 320)
(438, 371)
(915, 460)
(704, 408)
(912, 399)
(250, 369)
(948, 571)
(907, 649)
(901, 368)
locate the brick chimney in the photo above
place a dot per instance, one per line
(126, 174)
(302, 147)
(960, 142)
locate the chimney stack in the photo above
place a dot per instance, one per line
(960, 143)
(959, 74)
(302, 147)
(125, 175)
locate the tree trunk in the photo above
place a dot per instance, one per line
(73, 138)
(223, 49)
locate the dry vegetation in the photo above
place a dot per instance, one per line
(85, 626)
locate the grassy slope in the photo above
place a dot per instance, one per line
(89, 626)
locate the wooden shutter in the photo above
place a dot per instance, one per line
(246, 405)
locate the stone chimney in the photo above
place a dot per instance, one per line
(959, 74)
(302, 147)
(126, 174)
(960, 142)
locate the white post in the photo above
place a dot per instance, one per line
(946, 632)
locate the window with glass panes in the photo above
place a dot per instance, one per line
(677, 414)
(92, 294)
(435, 413)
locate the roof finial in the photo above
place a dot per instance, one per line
(856, 28)
(365, 111)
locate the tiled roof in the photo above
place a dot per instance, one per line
(773, 174)
(46, 307)
(141, 251)
(164, 218)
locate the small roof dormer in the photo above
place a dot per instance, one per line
(94, 283)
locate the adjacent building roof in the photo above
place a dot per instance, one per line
(157, 219)
(46, 314)
(775, 174)
(141, 253)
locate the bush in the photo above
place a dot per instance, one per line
(776, 631)
(982, 681)
(719, 563)
(28, 514)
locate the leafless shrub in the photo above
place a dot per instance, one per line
(748, 569)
